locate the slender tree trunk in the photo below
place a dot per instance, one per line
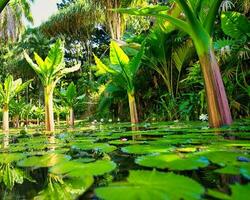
(218, 109)
(71, 117)
(132, 107)
(5, 118)
(49, 115)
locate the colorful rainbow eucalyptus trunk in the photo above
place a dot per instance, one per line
(132, 108)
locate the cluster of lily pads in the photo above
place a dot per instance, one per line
(163, 161)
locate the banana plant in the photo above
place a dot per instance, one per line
(122, 72)
(50, 71)
(198, 21)
(70, 98)
(8, 90)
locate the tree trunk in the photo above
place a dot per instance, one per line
(218, 109)
(5, 118)
(71, 117)
(132, 107)
(49, 115)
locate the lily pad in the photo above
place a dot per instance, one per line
(240, 192)
(102, 147)
(145, 149)
(12, 157)
(173, 161)
(148, 185)
(76, 169)
(47, 160)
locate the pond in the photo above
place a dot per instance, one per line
(163, 160)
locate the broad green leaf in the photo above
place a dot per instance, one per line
(68, 189)
(148, 185)
(101, 68)
(102, 147)
(11, 157)
(46, 160)
(117, 55)
(146, 149)
(235, 24)
(240, 192)
(173, 161)
(77, 169)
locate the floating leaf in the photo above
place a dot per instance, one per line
(145, 149)
(240, 192)
(102, 147)
(173, 161)
(47, 160)
(149, 185)
(12, 157)
(76, 169)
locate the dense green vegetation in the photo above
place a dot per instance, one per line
(125, 99)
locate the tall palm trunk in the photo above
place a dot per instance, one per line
(71, 117)
(49, 115)
(132, 107)
(5, 118)
(218, 108)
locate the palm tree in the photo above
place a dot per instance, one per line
(50, 71)
(11, 18)
(122, 72)
(8, 91)
(70, 98)
(199, 22)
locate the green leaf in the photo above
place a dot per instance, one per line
(77, 169)
(236, 25)
(173, 161)
(46, 160)
(102, 147)
(148, 185)
(240, 192)
(11, 157)
(68, 189)
(101, 68)
(224, 158)
(145, 149)
(117, 55)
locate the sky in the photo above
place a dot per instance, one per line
(42, 10)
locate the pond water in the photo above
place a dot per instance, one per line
(163, 160)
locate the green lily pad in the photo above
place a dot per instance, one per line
(173, 161)
(12, 157)
(240, 192)
(145, 149)
(102, 147)
(47, 160)
(76, 169)
(148, 185)
(224, 158)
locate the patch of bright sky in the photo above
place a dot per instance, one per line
(42, 10)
